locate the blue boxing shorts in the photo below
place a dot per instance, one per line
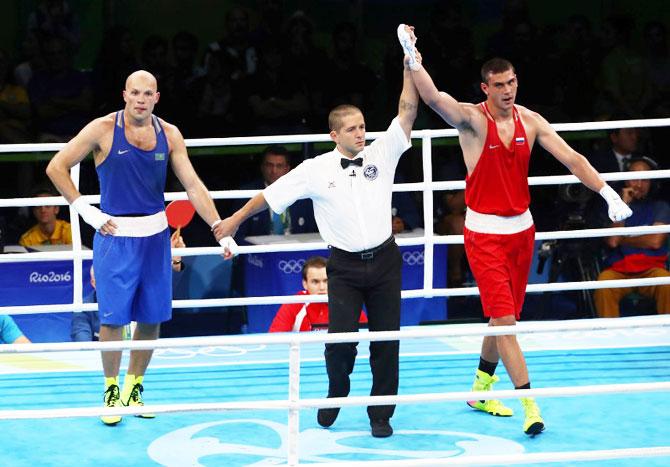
(133, 278)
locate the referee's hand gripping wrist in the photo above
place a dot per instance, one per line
(91, 215)
(224, 228)
(223, 232)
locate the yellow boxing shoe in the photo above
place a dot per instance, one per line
(111, 398)
(485, 382)
(132, 394)
(533, 424)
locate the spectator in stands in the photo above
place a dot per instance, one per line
(14, 107)
(451, 223)
(181, 104)
(236, 44)
(154, 57)
(580, 57)
(404, 213)
(270, 19)
(298, 218)
(307, 316)
(10, 332)
(61, 95)
(623, 145)
(49, 230)
(116, 60)
(450, 44)
(85, 325)
(30, 61)
(277, 96)
(217, 99)
(56, 18)
(451, 217)
(348, 80)
(184, 53)
(637, 256)
(624, 79)
(658, 59)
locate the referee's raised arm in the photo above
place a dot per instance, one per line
(409, 100)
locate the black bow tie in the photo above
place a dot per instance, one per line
(346, 162)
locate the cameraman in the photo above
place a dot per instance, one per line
(638, 256)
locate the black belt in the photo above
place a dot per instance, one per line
(365, 254)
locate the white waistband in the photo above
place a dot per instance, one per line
(492, 224)
(141, 226)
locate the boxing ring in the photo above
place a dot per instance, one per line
(250, 399)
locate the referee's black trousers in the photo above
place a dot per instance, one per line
(375, 282)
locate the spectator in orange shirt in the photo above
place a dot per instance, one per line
(307, 316)
(49, 230)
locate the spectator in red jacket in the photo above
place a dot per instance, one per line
(307, 316)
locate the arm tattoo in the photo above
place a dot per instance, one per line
(407, 106)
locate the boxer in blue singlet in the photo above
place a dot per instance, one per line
(131, 248)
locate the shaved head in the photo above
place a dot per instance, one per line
(140, 95)
(141, 77)
(337, 115)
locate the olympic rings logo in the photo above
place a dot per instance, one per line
(292, 266)
(212, 351)
(413, 258)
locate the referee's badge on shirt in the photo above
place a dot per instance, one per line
(371, 172)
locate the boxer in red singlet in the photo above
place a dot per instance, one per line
(496, 137)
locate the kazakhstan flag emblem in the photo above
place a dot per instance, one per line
(159, 156)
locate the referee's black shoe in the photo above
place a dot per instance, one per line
(327, 417)
(381, 428)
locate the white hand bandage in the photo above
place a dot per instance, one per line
(407, 44)
(617, 210)
(229, 242)
(91, 215)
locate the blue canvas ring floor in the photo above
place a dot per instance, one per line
(258, 437)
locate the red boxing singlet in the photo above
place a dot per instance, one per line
(499, 183)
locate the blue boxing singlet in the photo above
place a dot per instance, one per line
(132, 180)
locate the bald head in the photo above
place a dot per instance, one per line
(141, 78)
(140, 95)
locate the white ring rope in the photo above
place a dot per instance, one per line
(308, 246)
(350, 401)
(473, 330)
(398, 187)
(316, 138)
(405, 294)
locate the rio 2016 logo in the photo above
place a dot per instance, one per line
(49, 277)
(259, 442)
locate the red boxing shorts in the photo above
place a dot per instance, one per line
(500, 265)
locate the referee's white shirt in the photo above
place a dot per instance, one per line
(352, 206)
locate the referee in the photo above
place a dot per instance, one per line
(351, 188)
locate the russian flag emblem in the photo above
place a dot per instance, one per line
(520, 140)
